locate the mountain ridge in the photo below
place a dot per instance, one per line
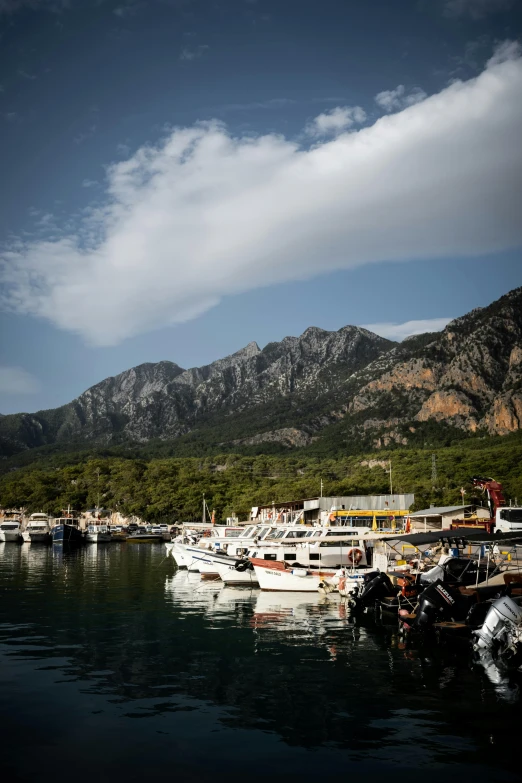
(468, 377)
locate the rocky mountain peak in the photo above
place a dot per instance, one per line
(468, 377)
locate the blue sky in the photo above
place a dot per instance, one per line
(318, 188)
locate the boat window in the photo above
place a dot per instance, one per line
(343, 544)
(290, 556)
(296, 534)
(9, 527)
(269, 557)
(314, 556)
(262, 533)
(279, 534)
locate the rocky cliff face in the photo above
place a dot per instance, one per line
(164, 401)
(468, 377)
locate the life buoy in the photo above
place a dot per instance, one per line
(354, 556)
(332, 517)
(342, 584)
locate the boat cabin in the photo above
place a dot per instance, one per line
(327, 549)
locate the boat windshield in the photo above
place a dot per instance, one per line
(296, 534)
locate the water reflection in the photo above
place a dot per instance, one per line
(137, 655)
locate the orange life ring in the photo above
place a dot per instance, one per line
(355, 556)
(342, 583)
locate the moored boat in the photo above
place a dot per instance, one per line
(98, 534)
(277, 575)
(37, 530)
(10, 531)
(66, 531)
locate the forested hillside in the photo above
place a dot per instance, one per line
(171, 488)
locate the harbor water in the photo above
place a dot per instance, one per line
(117, 666)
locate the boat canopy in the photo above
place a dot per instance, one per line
(464, 534)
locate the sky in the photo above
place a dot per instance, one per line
(181, 177)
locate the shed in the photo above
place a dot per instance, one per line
(440, 517)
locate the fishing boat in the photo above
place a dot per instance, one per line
(37, 530)
(66, 531)
(277, 575)
(11, 530)
(98, 534)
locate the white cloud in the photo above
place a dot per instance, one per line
(16, 380)
(399, 98)
(90, 183)
(204, 214)
(396, 331)
(335, 121)
(477, 9)
(507, 50)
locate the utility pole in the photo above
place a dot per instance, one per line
(98, 491)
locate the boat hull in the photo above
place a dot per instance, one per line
(144, 538)
(67, 535)
(11, 536)
(37, 538)
(98, 538)
(275, 576)
(230, 576)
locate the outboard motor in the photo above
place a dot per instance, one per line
(437, 603)
(502, 629)
(376, 586)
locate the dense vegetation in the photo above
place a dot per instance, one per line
(171, 488)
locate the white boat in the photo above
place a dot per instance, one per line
(317, 548)
(276, 575)
(11, 531)
(37, 530)
(230, 575)
(202, 555)
(98, 534)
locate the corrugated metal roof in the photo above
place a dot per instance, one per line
(438, 510)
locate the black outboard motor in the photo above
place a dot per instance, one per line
(376, 586)
(438, 603)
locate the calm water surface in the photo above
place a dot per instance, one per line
(114, 665)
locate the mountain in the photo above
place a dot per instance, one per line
(164, 401)
(351, 385)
